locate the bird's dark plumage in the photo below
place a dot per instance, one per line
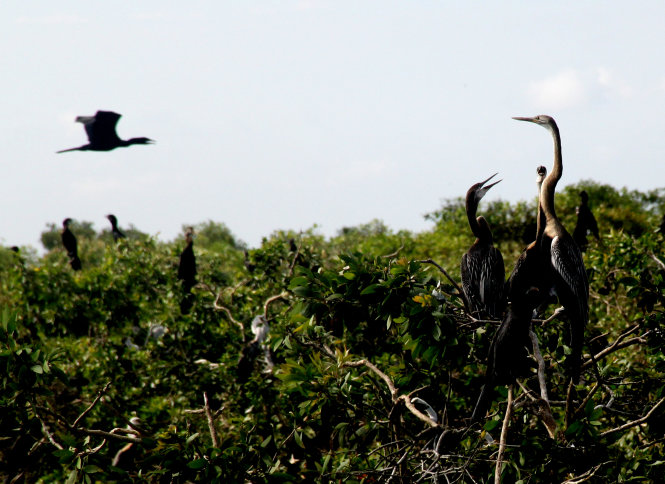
(115, 231)
(70, 244)
(508, 355)
(586, 222)
(561, 256)
(187, 271)
(482, 269)
(102, 136)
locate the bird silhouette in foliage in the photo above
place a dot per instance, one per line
(115, 231)
(71, 246)
(102, 136)
(187, 271)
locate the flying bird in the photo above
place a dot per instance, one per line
(561, 255)
(100, 129)
(69, 241)
(115, 231)
(482, 269)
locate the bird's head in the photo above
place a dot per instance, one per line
(543, 120)
(584, 196)
(66, 222)
(140, 141)
(111, 218)
(478, 191)
(542, 173)
(189, 234)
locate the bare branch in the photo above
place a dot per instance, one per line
(226, 310)
(617, 345)
(393, 254)
(634, 423)
(211, 423)
(91, 406)
(657, 260)
(504, 435)
(272, 299)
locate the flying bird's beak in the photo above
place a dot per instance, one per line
(151, 141)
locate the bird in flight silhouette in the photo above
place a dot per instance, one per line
(100, 129)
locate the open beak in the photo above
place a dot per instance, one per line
(482, 191)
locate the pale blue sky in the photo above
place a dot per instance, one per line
(281, 115)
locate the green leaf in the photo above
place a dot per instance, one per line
(197, 464)
(37, 369)
(371, 289)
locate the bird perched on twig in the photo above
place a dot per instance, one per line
(115, 231)
(187, 271)
(482, 269)
(586, 222)
(102, 136)
(561, 256)
(69, 241)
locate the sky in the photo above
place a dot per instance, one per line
(272, 115)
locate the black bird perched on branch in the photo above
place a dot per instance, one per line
(100, 129)
(586, 222)
(561, 255)
(187, 271)
(115, 231)
(507, 358)
(69, 241)
(482, 269)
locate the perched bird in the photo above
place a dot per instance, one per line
(482, 269)
(187, 271)
(100, 129)
(115, 231)
(586, 222)
(69, 241)
(508, 357)
(561, 256)
(253, 349)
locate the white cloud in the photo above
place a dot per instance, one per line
(564, 90)
(613, 86)
(51, 20)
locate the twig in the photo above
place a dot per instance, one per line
(211, 423)
(504, 436)
(226, 310)
(658, 261)
(272, 299)
(617, 345)
(46, 431)
(634, 422)
(584, 477)
(393, 254)
(393, 390)
(90, 407)
(541, 365)
(452, 281)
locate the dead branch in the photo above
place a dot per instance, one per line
(634, 423)
(657, 260)
(227, 311)
(504, 436)
(393, 254)
(272, 299)
(94, 402)
(393, 390)
(544, 411)
(584, 477)
(211, 423)
(617, 345)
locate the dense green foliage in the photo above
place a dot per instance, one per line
(366, 340)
